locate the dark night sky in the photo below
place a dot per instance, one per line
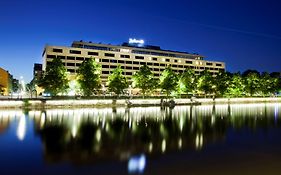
(245, 35)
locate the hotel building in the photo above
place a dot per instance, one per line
(131, 56)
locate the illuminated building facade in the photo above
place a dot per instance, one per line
(4, 82)
(131, 56)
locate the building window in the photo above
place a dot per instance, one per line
(80, 58)
(163, 65)
(105, 60)
(93, 53)
(51, 56)
(129, 67)
(142, 63)
(136, 62)
(105, 72)
(105, 66)
(71, 70)
(61, 57)
(135, 68)
(129, 73)
(156, 69)
(188, 62)
(109, 55)
(209, 64)
(78, 64)
(154, 59)
(218, 64)
(175, 61)
(156, 64)
(125, 56)
(149, 64)
(139, 57)
(121, 61)
(174, 65)
(57, 50)
(70, 58)
(167, 60)
(113, 61)
(128, 62)
(70, 64)
(75, 52)
(113, 67)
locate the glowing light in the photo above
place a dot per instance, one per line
(199, 141)
(74, 131)
(21, 130)
(163, 146)
(150, 147)
(180, 143)
(136, 41)
(137, 164)
(43, 118)
(98, 135)
(125, 50)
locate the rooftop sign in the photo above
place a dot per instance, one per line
(136, 41)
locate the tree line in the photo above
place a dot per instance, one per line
(224, 84)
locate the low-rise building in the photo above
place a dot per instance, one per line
(131, 56)
(4, 82)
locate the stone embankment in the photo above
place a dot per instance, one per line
(50, 103)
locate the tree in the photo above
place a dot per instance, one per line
(268, 84)
(222, 82)
(252, 83)
(236, 87)
(117, 82)
(144, 80)
(188, 81)
(206, 83)
(30, 87)
(168, 81)
(55, 80)
(89, 77)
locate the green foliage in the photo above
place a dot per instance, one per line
(144, 80)
(168, 81)
(236, 87)
(252, 83)
(221, 83)
(188, 82)
(206, 83)
(89, 77)
(268, 84)
(15, 86)
(117, 82)
(55, 80)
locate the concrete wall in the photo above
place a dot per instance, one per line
(111, 103)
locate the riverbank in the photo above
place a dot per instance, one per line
(70, 103)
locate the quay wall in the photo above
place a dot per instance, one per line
(50, 103)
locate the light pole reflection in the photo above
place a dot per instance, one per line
(21, 130)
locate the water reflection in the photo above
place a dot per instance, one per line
(85, 136)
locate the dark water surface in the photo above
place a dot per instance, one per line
(207, 139)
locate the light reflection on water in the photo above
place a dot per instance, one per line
(118, 134)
